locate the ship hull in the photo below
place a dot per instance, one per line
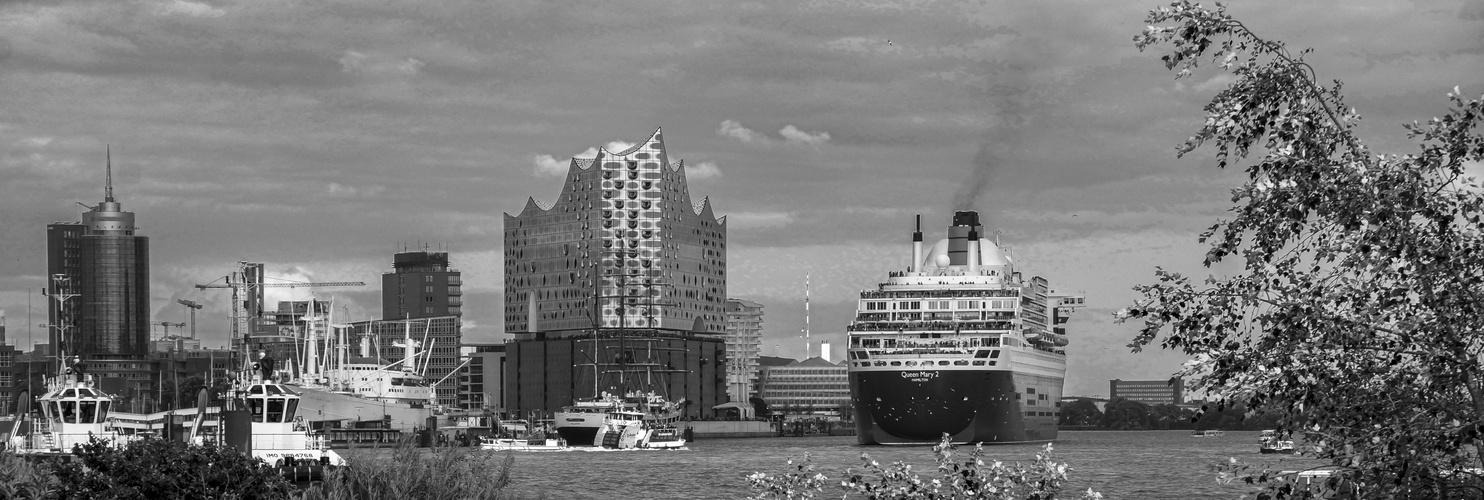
(970, 406)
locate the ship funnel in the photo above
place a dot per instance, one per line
(917, 245)
(964, 223)
(973, 251)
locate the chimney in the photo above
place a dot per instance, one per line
(917, 246)
(964, 222)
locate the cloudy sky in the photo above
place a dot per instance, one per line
(322, 137)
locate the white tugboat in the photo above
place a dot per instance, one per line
(73, 412)
(261, 420)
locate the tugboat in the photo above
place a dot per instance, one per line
(260, 420)
(73, 412)
(645, 421)
(958, 343)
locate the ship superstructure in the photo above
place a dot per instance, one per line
(958, 343)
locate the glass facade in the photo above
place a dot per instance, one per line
(625, 234)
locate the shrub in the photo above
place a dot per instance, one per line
(970, 478)
(164, 469)
(411, 473)
(23, 479)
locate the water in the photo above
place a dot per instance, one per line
(1119, 464)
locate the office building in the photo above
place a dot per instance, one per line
(1151, 392)
(481, 379)
(421, 285)
(624, 258)
(744, 344)
(99, 270)
(813, 386)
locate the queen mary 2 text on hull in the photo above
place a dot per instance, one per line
(958, 343)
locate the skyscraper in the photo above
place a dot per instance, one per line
(622, 251)
(104, 265)
(421, 285)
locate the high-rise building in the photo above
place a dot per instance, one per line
(421, 285)
(622, 253)
(744, 345)
(100, 268)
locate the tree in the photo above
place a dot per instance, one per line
(1124, 414)
(1357, 313)
(1079, 412)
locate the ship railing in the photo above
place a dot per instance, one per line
(919, 351)
(932, 326)
(933, 294)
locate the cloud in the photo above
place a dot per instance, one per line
(794, 135)
(735, 130)
(190, 9)
(361, 63)
(337, 189)
(548, 166)
(751, 220)
(702, 170)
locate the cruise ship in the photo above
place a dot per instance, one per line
(959, 343)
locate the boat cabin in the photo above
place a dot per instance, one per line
(271, 403)
(80, 404)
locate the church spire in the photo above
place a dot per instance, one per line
(108, 174)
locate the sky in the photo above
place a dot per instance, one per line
(320, 138)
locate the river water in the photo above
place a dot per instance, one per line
(1118, 464)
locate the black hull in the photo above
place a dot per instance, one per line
(971, 406)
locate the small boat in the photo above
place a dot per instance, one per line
(1208, 433)
(1272, 442)
(522, 444)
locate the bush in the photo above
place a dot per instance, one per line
(967, 479)
(162, 469)
(411, 473)
(23, 479)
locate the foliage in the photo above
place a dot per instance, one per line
(411, 473)
(965, 477)
(164, 469)
(1079, 412)
(1356, 315)
(23, 479)
(1124, 414)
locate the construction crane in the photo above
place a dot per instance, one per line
(193, 305)
(248, 282)
(167, 326)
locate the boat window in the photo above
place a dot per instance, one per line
(896, 363)
(943, 363)
(88, 412)
(103, 407)
(978, 362)
(911, 363)
(275, 410)
(68, 411)
(962, 363)
(880, 363)
(292, 409)
(256, 389)
(255, 405)
(994, 354)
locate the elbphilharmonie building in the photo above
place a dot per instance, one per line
(619, 281)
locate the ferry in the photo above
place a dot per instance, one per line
(958, 343)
